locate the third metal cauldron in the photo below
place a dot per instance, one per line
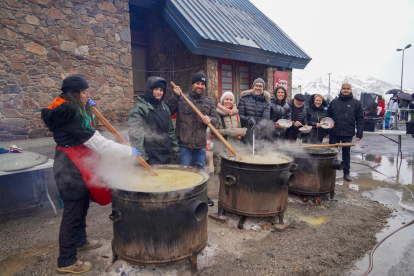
(257, 190)
(316, 170)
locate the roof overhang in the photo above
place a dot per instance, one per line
(201, 46)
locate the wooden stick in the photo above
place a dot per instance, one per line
(320, 146)
(121, 139)
(218, 135)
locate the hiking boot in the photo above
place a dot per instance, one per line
(77, 268)
(347, 178)
(90, 245)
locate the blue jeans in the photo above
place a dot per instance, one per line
(346, 151)
(199, 157)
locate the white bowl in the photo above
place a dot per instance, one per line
(326, 122)
(285, 123)
(305, 130)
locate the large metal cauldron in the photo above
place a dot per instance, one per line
(256, 190)
(161, 228)
(316, 170)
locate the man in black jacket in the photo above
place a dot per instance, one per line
(254, 110)
(346, 113)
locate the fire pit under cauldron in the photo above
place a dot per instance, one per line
(159, 228)
(316, 170)
(257, 189)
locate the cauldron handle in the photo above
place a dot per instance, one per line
(116, 215)
(293, 167)
(230, 180)
(196, 209)
(338, 165)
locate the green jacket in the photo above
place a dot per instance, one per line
(136, 123)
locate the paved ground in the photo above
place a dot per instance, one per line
(372, 153)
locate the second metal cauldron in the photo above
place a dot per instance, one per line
(257, 190)
(316, 170)
(161, 228)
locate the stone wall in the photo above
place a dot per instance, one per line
(43, 40)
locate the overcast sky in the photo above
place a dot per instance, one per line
(353, 37)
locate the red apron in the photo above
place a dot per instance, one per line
(87, 162)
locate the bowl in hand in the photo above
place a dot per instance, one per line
(285, 123)
(305, 130)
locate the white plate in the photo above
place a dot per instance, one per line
(326, 122)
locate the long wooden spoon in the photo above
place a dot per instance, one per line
(209, 125)
(121, 139)
(319, 146)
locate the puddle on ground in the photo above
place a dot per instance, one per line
(391, 183)
(314, 221)
(385, 175)
(388, 166)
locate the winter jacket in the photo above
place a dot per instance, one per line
(315, 115)
(393, 105)
(139, 131)
(292, 132)
(278, 110)
(78, 154)
(256, 107)
(230, 122)
(190, 129)
(346, 113)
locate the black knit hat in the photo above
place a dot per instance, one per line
(300, 97)
(199, 76)
(74, 83)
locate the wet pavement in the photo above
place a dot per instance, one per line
(380, 177)
(376, 174)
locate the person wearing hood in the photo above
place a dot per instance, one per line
(78, 152)
(254, 110)
(279, 109)
(150, 128)
(316, 111)
(346, 112)
(190, 128)
(299, 116)
(228, 125)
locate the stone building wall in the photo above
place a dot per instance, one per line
(43, 40)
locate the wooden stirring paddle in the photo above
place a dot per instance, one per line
(121, 139)
(209, 125)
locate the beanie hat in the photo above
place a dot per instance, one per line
(300, 97)
(199, 76)
(161, 84)
(259, 80)
(226, 93)
(74, 83)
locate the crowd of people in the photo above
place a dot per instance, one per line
(153, 137)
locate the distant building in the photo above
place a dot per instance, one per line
(118, 44)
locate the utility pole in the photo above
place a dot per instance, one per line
(329, 89)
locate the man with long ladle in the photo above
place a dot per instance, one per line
(190, 129)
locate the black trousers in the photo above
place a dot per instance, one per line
(346, 151)
(72, 230)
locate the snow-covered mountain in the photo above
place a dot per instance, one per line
(359, 84)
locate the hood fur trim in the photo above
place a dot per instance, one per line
(250, 91)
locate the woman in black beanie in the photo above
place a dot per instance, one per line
(78, 151)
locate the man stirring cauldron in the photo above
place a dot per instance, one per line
(346, 113)
(191, 129)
